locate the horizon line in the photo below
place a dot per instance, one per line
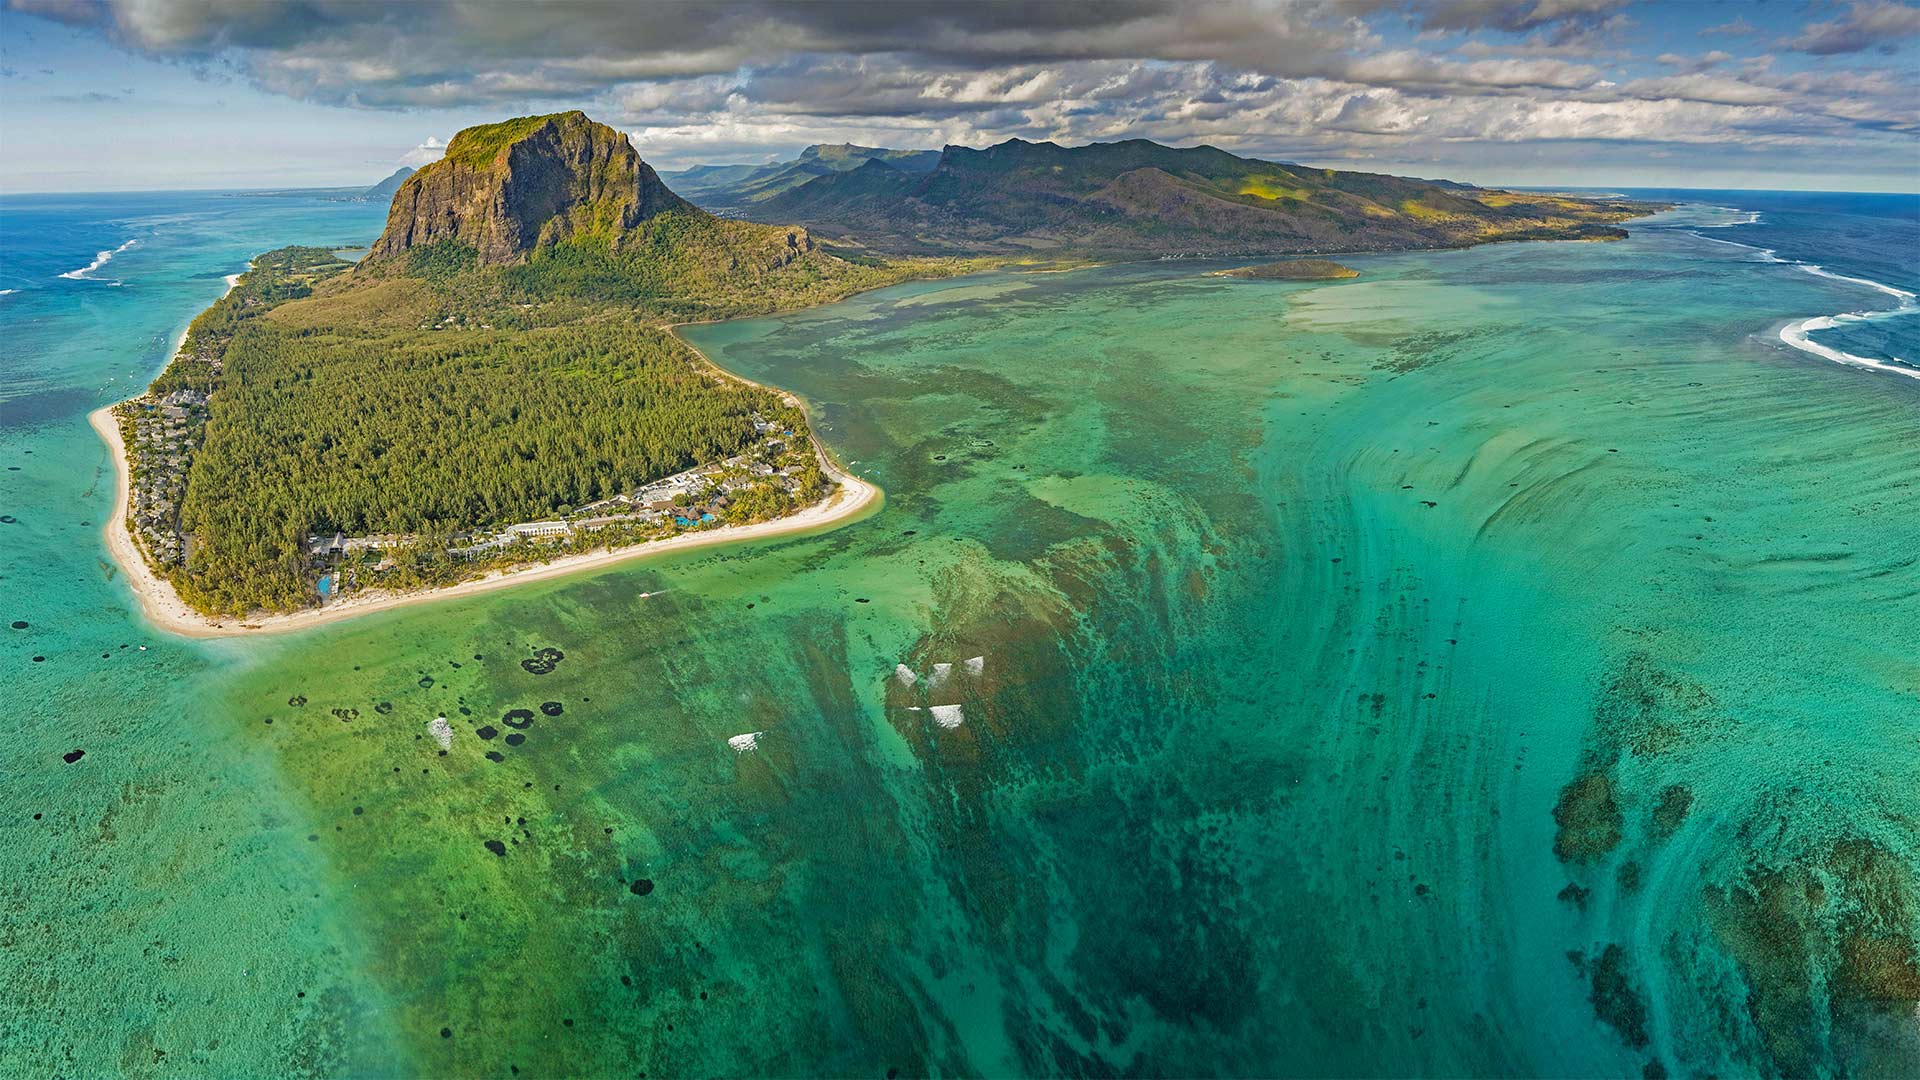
(249, 190)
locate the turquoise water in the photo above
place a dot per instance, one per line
(1301, 610)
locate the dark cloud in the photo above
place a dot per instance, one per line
(435, 52)
(715, 80)
(1868, 24)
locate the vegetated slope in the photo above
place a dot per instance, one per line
(1294, 270)
(497, 357)
(732, 188)
(1139, 198)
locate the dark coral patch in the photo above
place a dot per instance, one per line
(551, 708)
(72, 756)
(19, 624)
(297, 700)
(1589, 819)
(1615, 999)
(641, 886)
(543, 661)
(487, 731)
(515, 739)
(497, 848)
(1675, 801)
(496, 756)
(426, 682)
(383, 708)
(518, 718)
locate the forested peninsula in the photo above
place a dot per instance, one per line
(494, 384)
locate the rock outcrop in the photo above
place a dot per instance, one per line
(506, 189)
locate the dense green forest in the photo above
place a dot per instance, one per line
(436, 432)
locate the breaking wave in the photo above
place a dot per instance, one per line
(86, 273)
(1798, 333)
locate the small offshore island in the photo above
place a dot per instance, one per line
(1293, 270)
(494, 392)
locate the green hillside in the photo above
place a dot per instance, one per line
(1139, 198)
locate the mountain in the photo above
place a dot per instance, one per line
(732, 188)
(383, 191)
(505, 189)
(1139, 198)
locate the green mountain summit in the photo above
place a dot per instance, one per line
(1138, 199)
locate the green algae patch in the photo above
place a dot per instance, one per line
(1671, 811)
(1589, 818)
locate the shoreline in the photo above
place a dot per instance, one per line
(163, 608)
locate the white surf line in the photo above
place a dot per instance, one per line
(1752, 218)
(85, 273)
(1797, 333)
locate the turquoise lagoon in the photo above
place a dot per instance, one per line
(1501, 663)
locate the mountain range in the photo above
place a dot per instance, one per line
(528, 188)
(1128, 199)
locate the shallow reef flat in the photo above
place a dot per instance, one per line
(1477, 667)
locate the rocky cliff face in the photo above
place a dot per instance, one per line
(508, 188)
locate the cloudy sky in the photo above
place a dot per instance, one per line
(115, 94)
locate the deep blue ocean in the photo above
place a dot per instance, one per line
(1871, 237)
